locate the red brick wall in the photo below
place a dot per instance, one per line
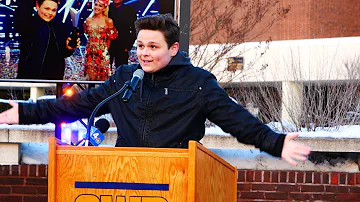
(335, 18)
(298, 185)
(309, 19)
(28, 183)
(23, 183)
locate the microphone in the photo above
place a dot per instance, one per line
(96, 133)
(137, 76)
(102, 125)
(138, 73)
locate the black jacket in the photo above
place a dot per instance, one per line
(168, 109)
(39, 59)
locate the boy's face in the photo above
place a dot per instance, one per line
(47, 10)
(153, 52)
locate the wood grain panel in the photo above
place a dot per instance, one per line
(188, 175)
(214, 177)
(52, 169)
(152, 167)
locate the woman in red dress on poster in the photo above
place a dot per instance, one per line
(100, 31)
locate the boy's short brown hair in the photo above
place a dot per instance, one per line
(164, 23)
(40, 2)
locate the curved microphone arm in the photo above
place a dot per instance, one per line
(92, 116)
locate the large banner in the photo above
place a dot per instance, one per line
(10, 39)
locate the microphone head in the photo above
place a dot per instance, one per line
(139, 73)
(102, 125)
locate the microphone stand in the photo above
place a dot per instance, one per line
(82, 140)
(92, 116)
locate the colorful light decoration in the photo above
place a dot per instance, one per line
(69, 92)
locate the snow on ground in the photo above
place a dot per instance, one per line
(37, 153)
(349, 131)
(34, 153)
(341, 132)
(254, 159)
(48, 126)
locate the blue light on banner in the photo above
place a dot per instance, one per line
(130, 2)
(148, 7)
(2, 5)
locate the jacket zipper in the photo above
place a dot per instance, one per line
(153, 79)
(45, 50)
(29, 51)
(143, 136)
(57, 46)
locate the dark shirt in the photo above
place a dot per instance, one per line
(52, 67)
(123, 18)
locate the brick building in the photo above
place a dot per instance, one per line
(308, 19)
(319, 19)
(312, 42)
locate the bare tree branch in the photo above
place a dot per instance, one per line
(228, 24)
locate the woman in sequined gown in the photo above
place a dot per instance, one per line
(100, 30)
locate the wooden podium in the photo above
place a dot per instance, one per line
(126, 174)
